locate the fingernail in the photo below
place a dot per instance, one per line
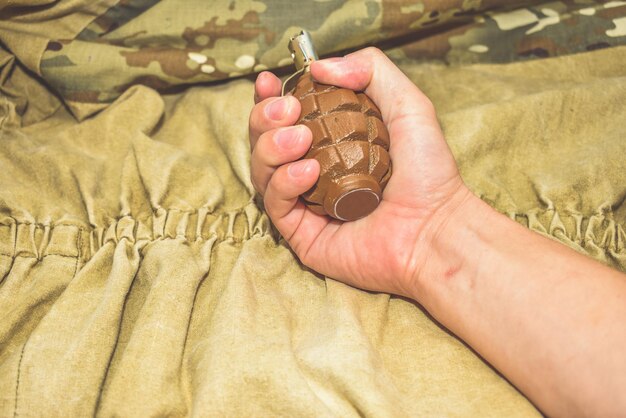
(332, 62)
(299, 168)
(262, 76)
(288, 138)
(277, 109)
(343, 65)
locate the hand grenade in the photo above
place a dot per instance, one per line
(350, 141)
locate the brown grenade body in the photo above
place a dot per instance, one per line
(351, 144)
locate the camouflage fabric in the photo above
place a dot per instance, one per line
(161, 44)
(546, 30)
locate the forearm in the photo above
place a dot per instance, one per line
(551, 320)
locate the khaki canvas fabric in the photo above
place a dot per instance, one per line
(139, 275)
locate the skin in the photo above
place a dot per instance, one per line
(549, 319)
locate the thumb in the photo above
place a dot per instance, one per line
(371, 71)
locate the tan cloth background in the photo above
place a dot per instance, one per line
(186, 304)
(137, 275)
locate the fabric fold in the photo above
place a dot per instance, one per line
(139, 274)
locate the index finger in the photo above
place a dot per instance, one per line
(267, 85)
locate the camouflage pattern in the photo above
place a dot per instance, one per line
(547, 30)
(161, 44)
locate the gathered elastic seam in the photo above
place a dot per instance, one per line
(38, 240)
(590, 234)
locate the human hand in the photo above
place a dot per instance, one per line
(385, 250)
(431, 240)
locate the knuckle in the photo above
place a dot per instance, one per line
(265, 145)
(258, 111)
(373, 52)
(298, 250)
(258, 122)
(428, 106)
(267, 202)
(254, 116)
(280, 180)
(267, 154)
(254, 183)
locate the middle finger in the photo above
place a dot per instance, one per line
(275, 148)
(272, 113)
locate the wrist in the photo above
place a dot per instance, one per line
(540, 313)
(451, 247)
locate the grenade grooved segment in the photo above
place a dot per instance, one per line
(351, 143)
(378, 162)
(368, 107)
(377, 133)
